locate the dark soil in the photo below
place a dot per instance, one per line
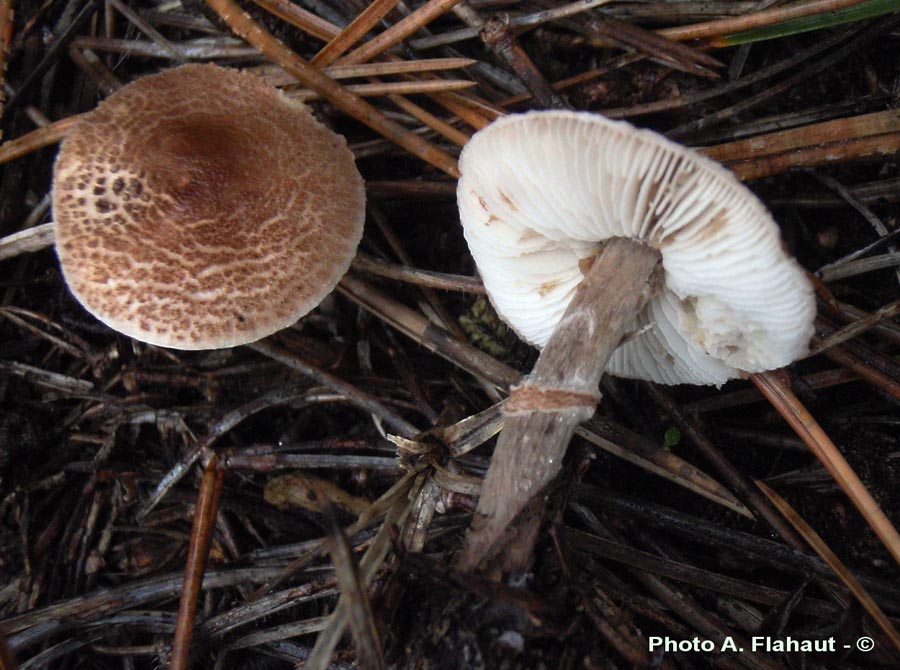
(91, 422)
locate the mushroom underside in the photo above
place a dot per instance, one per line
(686, 333)
(540, 191)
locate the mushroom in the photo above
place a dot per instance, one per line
(614, 249)
(200, 208)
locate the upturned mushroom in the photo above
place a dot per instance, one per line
(613, 249)
(200, 208)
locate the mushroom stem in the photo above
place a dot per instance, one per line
(561, 392)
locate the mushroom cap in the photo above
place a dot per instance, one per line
(539, 192)
(200, 208)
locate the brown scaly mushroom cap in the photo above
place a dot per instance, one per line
(200, 208)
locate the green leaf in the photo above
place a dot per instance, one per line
(671, 438)
(863, 10)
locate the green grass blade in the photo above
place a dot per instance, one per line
(863, 10)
